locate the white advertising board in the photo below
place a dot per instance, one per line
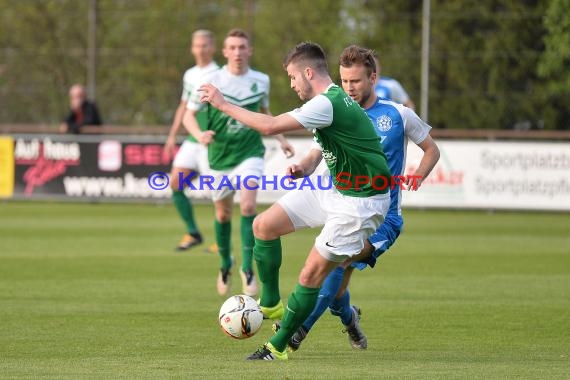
(470, 174)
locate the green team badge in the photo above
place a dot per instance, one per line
(254, 87)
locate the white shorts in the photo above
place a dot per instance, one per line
(226, 182)
(192, 155)
(347, 221)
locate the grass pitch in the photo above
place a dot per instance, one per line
(97, 291)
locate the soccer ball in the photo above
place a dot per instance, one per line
(240, 317)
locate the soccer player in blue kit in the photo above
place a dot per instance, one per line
(394, 124)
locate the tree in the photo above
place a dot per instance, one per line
(493, 63)
(554, 64)
(41, 56)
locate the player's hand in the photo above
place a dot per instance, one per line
(287, 149)
(413, 182)
(212, 95)
(295, 171)
(206, 137)
(170, 146)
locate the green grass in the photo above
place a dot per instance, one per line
(96, 291)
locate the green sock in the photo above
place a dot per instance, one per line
(267, 255)
(184, 207)
(247, 242)
(223, 239)
(299, 306)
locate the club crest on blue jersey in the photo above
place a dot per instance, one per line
(384, 123)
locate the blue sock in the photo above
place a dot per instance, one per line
(328, 291)
(341, 307)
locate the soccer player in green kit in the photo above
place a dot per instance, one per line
(192, 155)
(234, 152)
(348, 214)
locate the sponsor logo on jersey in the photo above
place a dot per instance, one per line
(234, 126)
(329, 157)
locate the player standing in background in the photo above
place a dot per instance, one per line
(395, 124)
(391, 89)
(348, 214)
(234, 153)
(192, 156)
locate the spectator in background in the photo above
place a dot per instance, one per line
(82, 112)
(391, 89)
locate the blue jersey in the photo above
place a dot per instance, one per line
(395, 124)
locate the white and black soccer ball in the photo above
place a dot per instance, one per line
(240, 317)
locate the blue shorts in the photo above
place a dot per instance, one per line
(382, 239)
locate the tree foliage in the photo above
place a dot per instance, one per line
(493, 63)
(554, 63)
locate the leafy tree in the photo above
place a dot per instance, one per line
(41, 56)
(493, 63)
(483, 59)
(554, 64)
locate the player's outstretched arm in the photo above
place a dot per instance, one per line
(264, 124)
(286, 147)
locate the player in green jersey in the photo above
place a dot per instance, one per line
(234, 152)
(348, 213)
(192, 156)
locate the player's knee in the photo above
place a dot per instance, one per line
(309, 277)
(174, 183)
(223, 216)
(305, 279)
(247, 207)
(262, 228)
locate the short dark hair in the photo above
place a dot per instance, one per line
(357, 55)
(309, 53)
(236, 32)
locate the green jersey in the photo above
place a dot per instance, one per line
(191, 81)
(234, 142)
(351, 148)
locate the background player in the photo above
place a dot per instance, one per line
(234, 150)
(390, 88)
(192, 156)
